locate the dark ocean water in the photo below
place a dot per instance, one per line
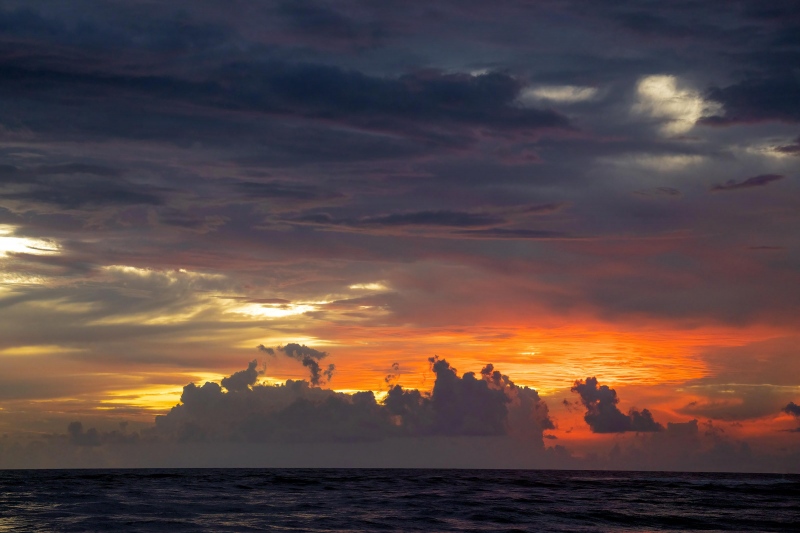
(394, 500)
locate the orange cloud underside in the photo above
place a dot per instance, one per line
(635, 361)
(547, 359)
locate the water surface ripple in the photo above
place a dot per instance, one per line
(394, 500)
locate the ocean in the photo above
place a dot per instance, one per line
(324, 500)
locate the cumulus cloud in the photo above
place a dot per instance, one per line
(92, 438)
(686, 446)
(308, 357)
(792, 409)
(677, 108)
(243, 379)
(266, 350)
(476, 419)
(78, 436)
(466, 405)
(484, 404)
(393, 375)
(603, 415)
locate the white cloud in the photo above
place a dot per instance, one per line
(276, 310)
(369, 286)
(9, 243)
(680, 108)
(563, 94)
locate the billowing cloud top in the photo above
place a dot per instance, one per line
(488, 405)
(565, 188)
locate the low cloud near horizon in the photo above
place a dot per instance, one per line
(590, 209)
(461, 423)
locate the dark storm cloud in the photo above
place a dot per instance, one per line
(749, 183)
(306, 355)
(416, 105)
(466, 405)
(758, 100)
(486, 404)
(603, 415)
(792, 409)
(265, 349)
(92, 438)
(298, 351)
(243, 379)
(688, 446)
(80, 437)
(393, 375)
(309, 358)
(431, 106)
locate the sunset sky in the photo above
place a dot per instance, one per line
(600, 199)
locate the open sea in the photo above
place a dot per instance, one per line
(394, 500)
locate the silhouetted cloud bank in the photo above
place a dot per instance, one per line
(484, 404)
(472, 420)
(603, 415)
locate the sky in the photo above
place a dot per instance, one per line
(519, 234)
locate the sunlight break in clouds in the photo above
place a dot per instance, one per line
(661, 98)
(11, 244)
(564, 94)
(568, 190)
(369, 286)
(276, 310)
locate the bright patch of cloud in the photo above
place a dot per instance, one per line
(369, 286)
(43, 349)
(12, 244)
(772, 151)
(563, 94)
(170, 276)
(658, 163)
(680, 108)
(275, 311)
